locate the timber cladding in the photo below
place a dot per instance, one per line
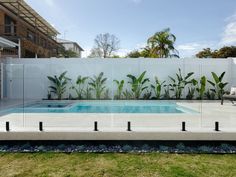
(33, 41)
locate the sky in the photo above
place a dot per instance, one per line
(197, 24)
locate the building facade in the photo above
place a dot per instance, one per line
(21, 24)
(73, 46)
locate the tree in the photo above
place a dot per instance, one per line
(205, 53)
(67, 53)
(161, 45)
(105, 45)
(134, 54)
(224, 52)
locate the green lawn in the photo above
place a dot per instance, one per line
(115, 164)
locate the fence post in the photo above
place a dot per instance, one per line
(183, 126)
(217, 126)
(95, 126)
(129, 127)
(7, 126)
(41, 126)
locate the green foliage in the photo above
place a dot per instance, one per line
(191, 89)
(166, 95)
(138, 84)
(161, 45)
(177, 86)
(88, 94)
(80, 86)
(218, 85)
(157, 88)
(59, 84)
(127, 95)
(120, 86)
(147, 94)
(210, 95)
(224, 52)
(97, 84)
(67, 53)
(205, 53)
(201, 87)
(134, 54)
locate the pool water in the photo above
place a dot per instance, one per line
(157, 107)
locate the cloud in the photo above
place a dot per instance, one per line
(191, 49)
(229, 34)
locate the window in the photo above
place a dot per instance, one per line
(10, 26)
(31, 36)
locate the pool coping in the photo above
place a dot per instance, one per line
(194, 135)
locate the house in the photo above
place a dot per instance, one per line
(70, 45)
(22, 25)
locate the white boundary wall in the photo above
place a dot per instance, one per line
(33, 72)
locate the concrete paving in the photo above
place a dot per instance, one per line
(80, 126)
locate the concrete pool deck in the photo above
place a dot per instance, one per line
(72, 126)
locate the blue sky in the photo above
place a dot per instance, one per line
(196, 23)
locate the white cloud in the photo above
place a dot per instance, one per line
(229, 34)
(191, 49)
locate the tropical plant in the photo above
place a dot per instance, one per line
(201, 88)
(138, 84)
(120, 86)
(157, 88)
(191, 89)
(178, 84)
(218, 85)
(107, 94)
(166, 95)
(97, 84)
(80, 86)
(88, 94)
(59, 84)
(127, 94)
(147, 94)
(161, 45)
(210, 95)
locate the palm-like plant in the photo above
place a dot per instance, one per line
(178, 84)
(97, 84)
(161, 45)
(120, 86)
(218, 84)
(157, 87)
(80, 86)
(138, 84)
(201, 87)
(59, 84)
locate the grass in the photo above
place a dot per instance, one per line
(115, 164)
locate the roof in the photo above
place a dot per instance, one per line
(4, 43)
(21, 8)
(64, 41)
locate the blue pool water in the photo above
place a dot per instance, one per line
(103, 107)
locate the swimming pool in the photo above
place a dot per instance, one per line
(153, 107)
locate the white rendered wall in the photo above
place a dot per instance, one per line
(33, 72)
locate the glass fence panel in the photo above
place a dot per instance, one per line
(216, 116)
(12, 95)
(111, 95)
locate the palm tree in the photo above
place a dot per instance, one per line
(161, 45)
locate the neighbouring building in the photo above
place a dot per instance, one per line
(70, 45)
(21, 24)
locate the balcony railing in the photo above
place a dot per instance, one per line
(8, 30)
(12, 33)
